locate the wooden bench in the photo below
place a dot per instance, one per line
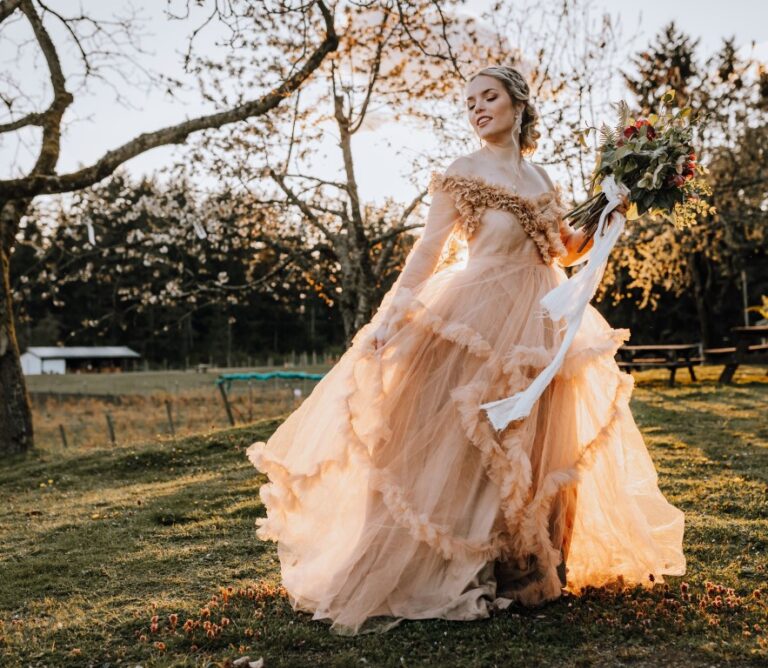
(744, 352)
(661, 356)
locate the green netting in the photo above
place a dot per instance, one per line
(228, 378)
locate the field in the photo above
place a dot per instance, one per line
(144, 554)
(139, 404)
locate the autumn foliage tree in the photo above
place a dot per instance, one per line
(407, 70)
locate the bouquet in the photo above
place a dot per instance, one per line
(654, 159)
(647, 163)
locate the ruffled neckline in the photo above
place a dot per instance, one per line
(541, 200)
(540, 215)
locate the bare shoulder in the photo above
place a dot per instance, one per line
(464, 165)
(543, 173)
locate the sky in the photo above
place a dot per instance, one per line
(99, 123)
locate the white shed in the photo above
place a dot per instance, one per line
(60, 359)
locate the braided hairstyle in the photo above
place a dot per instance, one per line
(518, 90)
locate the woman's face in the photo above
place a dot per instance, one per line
(490, 109)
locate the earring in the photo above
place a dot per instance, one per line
(519, 123)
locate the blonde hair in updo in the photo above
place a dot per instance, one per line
(518, 90)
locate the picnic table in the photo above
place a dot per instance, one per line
(670, 356)
(749, 349)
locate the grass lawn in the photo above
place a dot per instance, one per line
(94, 544)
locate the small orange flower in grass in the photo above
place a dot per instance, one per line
(225, 621)
(153, 628)
(756, 593)
(143, 638)
(173, 619)
(155, 619)
(249, 632)
(189, 626)
(160, 646)
(205, 612)
(683, 587)
(75, 651)
(210, 633)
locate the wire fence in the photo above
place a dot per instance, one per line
(86, 420)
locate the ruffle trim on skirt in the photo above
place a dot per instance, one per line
(508, 465)
(406, 308)
(526, 513)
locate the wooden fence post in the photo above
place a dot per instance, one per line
(63, 436)
(111, 427)
(170, 417)
(228, 408)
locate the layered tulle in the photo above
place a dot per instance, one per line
(391, 497)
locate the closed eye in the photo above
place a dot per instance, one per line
(490, 99)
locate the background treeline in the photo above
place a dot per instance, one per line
(123, 263)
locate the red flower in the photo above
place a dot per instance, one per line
(630, 131)
(678, 180)
(650, 132)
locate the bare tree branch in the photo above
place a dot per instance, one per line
(7, 7)
(35, 118)
(39, 183)
(294, 199)
(51, 143)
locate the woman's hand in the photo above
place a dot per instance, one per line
(623, 205)
(572, 240)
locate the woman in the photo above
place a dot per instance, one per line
(391, 497)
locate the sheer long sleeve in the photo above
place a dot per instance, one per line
(423, 257)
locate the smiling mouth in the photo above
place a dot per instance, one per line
(483, 120)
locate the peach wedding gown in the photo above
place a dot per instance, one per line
(390, 495)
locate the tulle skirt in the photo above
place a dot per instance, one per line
(391, 497)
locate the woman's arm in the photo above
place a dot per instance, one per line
(425, 254)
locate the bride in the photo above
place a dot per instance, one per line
(390, 495)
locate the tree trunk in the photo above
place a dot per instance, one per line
(15, 410)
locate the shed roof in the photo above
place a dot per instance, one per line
(74, 352)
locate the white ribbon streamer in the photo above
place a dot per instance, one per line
(569, 300)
